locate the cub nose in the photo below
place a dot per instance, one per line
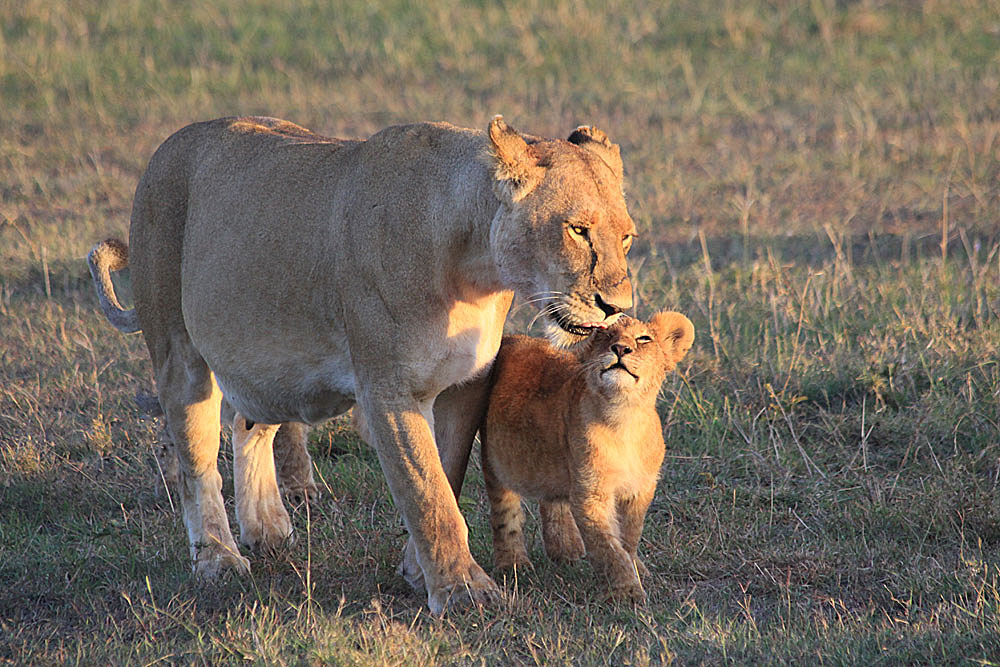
(621, 349)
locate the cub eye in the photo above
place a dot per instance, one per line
(627, 241)
(643, 339)
(580, 230)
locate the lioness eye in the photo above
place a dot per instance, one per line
(627, 241)
(579, 230)
(642, 340)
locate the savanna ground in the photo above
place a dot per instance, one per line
(817, 186)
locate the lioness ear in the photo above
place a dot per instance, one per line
(515, 165)
(596, 141)
(674, 332)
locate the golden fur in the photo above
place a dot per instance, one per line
(578, 431)
(294, 275)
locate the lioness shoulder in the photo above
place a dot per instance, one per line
(578, 431)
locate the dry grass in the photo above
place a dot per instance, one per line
(817, 188)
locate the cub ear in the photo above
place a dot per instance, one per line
(596, 141)
(515, 164)
(674, 332)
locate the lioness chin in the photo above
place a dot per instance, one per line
(294, 275)
(578, 431)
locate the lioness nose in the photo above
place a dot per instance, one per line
(609, 308)
(621, 349)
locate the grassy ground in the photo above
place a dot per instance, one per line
(817, 185)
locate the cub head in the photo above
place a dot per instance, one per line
(561, 233)
(630, 358)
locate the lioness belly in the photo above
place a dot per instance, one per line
(271, 400)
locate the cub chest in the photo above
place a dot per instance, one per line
(624, 460)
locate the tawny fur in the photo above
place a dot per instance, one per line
(578, 431)
(294, 275)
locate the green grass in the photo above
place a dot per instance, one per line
(817, 185)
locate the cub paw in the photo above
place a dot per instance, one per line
(640, 568)
(508, 560)
(560, 535)
(631, 593)
(564, 548)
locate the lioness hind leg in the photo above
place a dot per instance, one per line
(194, 428)
(167, 469)
(559, 532)
(291, 459)
(263, 519)
(294, 465)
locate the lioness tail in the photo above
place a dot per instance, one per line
(105, 257)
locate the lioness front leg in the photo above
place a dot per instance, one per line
(264, 522)
(458, 412)
(594, 511)
(412, 467)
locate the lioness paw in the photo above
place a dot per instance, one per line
(475, 589)
(214, 560)
(268, 537)
(296, 494)
(462, 596)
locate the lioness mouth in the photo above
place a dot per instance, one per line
(578, 329)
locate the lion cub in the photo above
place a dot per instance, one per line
(577, 430)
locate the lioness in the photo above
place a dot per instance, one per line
(578, 430)
(295, 274)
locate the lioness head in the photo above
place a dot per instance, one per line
(562, 230)
(630, 358)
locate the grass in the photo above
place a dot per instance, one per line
(816, 185)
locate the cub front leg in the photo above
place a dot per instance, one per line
(631, 517)
(507, 523)
(594, 511)
(559, 532)
(402, 437)
(264, 522)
